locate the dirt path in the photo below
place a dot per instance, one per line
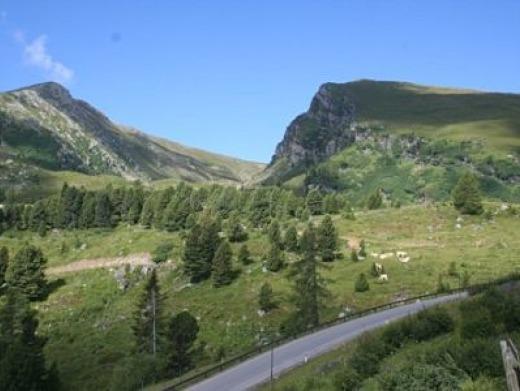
(141, 259)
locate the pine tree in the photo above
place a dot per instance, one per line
(175, 215)
(181, 335)
(466, 195)
(4, 262)
(235, 230)
(327, 239)
(26, 272)
(314, 202)
(88, 211)
(222, 269)
(361, 284)
(103, 212)
(147, 212)
(37, 216)
(291, 239)
(375, 201)
(265, 298)
(244, 257)
(275, 259)
(309, 287)
(274, 233)
(147, 326)
(200, 246)
(22, 362)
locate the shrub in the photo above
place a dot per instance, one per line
(477, 324)
(466, 195)
(347, 379)
(162, 252)
(362, 283)
(420, 377)
(478, 357)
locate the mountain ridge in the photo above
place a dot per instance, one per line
(43, 125)
(338, 111)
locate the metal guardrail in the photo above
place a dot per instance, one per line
(220, 367)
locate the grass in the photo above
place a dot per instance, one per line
(87, 319)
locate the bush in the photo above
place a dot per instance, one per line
(477, 324)
(478, 357)
(420, 377)
(367, 356)
(429, 324)
(362, 283)
(162, 252)
(346, 380)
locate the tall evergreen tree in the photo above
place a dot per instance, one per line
(200, 246)
(309, 286)
(88, 211)
(275, 258)
(181, 335)
(147, 211)
(22, 362)
(291, 239)
(466, 195)
(147, 326)
(175, 215)
(26, 272)
(244, 256)
(235, 229)
(274, 233)
(314, 202)
(265, 298)
(222, 268)
(103, 211)
(327, 239)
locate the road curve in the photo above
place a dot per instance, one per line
(257, 370)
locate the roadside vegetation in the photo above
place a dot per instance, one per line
(229, 264)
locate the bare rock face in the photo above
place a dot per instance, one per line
(326, 128)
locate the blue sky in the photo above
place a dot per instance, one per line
(229, 76)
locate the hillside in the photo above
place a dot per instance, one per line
(457, 128)
(42, 127)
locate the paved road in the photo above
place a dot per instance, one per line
(256, 370)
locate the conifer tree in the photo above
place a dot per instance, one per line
(291, 239)
(147, 322)
(88, 211)
(466, 195)
(22, 362)
(361, 284)
(37, 216)
(4, 262)
(147, 212)
(327, 239)
(265, 298)
(200, 246)
(103, 212)
(274, 233)
(235, 230)
(175, 215)
(375, 200)
(222, 269)
(309, 287)
(244, 257)
(181, 335)
(354, 256)
(26, 272)
(275, 259)
(314, 202)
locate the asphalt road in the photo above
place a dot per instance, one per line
(257, 370)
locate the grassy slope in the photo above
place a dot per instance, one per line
(438, 112)
(87, 318)
(363, 168)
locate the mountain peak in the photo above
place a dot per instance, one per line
(50, 91)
